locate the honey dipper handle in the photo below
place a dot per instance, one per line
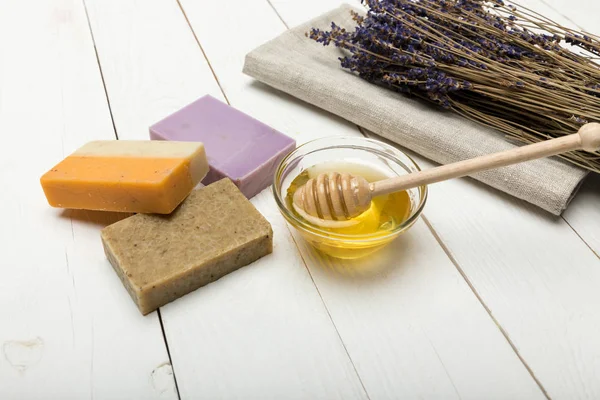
(588, 139)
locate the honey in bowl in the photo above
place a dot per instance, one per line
(365, 233)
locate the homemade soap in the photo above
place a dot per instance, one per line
(215, 231)
(237, 146)
(142, 176)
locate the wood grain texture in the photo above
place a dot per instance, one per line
(262, 331)
(67, 328)
(413, 329)
(535, 275)
(411, 324)
(531, 270)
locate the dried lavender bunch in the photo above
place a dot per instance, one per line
(493, 62)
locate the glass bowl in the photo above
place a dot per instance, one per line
(368, 152)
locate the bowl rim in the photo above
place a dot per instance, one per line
(310, 229)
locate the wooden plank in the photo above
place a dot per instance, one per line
(543, 289)
(540, 290)
(414, 330)
(262, 331)
(68, 329)
(583, 214)
(535, 275)
(531, 271)
(293, 14)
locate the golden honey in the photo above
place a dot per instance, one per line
(369, 231)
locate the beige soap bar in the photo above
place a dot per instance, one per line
(160, 258)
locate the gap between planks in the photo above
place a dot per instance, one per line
(430, 227)
(162, 326)
(489, 312)
(112, 118)
(560, 13)
(328, 313)
(475, 293)
(450, 257)
(287, 227)
(187, 20)
(276, 13)
(581, 237)
(562, 216)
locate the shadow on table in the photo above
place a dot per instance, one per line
(98, 219)
(377, 266)
(592, 185)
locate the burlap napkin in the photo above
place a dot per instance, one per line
(309, 71)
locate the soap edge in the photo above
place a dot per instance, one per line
(221, 103)
(198, 166)
(114, 262)
(276, 160)
(162, 285)
(155, 134)
(181, 109)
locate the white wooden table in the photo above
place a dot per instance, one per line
(487, 298)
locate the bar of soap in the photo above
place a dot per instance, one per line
(238, 146)
(137, 176)
(215, 231)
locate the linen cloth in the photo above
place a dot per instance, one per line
(311, 72)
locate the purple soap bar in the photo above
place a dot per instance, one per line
(237, 146)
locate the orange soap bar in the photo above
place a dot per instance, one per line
(137, 176)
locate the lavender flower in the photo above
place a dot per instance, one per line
(488, 60)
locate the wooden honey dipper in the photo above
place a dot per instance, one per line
(339, 197)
